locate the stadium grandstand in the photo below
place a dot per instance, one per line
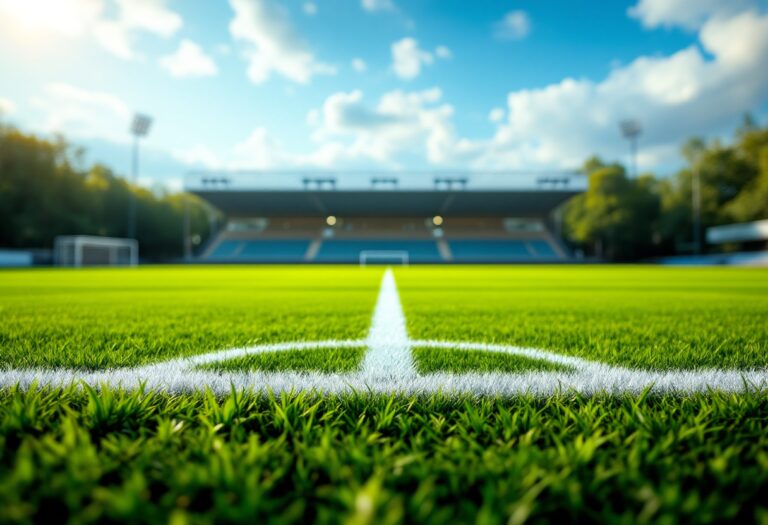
(386, 218)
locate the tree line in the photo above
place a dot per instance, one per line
(45, 192)
(623, 218)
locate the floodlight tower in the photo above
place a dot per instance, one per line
(630, 130)
(139, 128)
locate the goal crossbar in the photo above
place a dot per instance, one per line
(89, 250)
(384, 256)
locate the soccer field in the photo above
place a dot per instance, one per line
(343, 394)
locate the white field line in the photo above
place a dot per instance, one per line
(536, 383)
(190, 362)
(388, 367)
(388, 355)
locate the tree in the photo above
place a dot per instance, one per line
(43, 194)
(615, 218)
(734, 185)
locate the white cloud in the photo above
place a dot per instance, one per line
(684, 13)
(673, 96)
(359, 65)
(69, 18)
(149, 15)
(515, 25)
(408, 58)
(443, 52)
(189, 61)
(91, 18)
(7, 107)
(373, 6)
(257, 151)
(272, 44)
(496, 115)
(699, 90)
(82, 113)
(198, 156)
(114, 38)
(309, 8)
(401, 126)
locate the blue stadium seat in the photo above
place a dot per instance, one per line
(348, 251)
(226, 250)
(274, 251)
(543, 249)
(489, 250)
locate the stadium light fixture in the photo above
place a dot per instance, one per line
(631, 130)
(437, 220)
(330, 220)
(139, 128)
(696, 206)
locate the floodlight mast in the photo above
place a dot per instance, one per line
(630, 130)
(139, 128)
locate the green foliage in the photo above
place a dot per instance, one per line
(44, 193)
(361, 458)
(734, 185)
(326, 360)
(613, 214)
(429, 360)
(752, 203)
(619, 218)
(643, 317)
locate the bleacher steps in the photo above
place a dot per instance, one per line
(312, 250)
(445, 250)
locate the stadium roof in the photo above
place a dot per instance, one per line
(512, 194)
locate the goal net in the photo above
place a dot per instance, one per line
(383, 257)
(86, 250)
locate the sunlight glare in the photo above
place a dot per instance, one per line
(64, 17)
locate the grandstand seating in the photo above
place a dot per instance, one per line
(348, 250)
(542, 249)
(488, 250)
(226, 249)
(310, 240)
(282, 250)
(275, 250)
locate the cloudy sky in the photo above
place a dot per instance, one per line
(390, 84)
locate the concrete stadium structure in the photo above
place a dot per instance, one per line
(345, 217)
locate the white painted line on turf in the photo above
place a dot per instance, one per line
(388, 367)
(535, 383)
(577, 363)
(187, 362)
(389, 354)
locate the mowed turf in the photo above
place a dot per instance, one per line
(100, 318)
(93, 456)
(645, 317)
(428, 360)
(326, 360)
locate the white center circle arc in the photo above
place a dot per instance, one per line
(388, 367)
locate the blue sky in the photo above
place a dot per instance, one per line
(323, 84)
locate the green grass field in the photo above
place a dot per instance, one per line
(87, 455)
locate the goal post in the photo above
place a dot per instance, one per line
(88, 250)
(383, 257)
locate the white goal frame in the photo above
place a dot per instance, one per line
(366, 255)
(69, 250)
